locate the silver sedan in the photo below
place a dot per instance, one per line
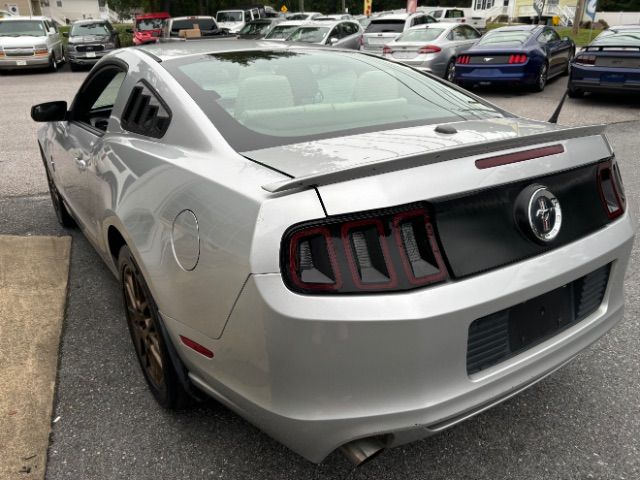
(433, 47)
(346, 252)
(340, 34)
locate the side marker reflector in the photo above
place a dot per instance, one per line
(197, 347)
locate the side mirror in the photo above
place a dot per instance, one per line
(333, 41)
(52, 31)
(565, 39)
(49, 112)
(65, 34)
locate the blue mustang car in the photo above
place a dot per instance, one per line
(611, 63)
(523, 54)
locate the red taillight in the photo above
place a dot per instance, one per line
(611, 189)
(464, 59)
(384, 252)
(430, 49)
(517, 58)
(387, 50)
(202, 350)
(586, 59)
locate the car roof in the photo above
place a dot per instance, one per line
(89, 21)
(516, 28)
(397, 16)
(292, 23)
(169, 50)
(23, 17)
(193, 17)
(443, 25)
(324, 23)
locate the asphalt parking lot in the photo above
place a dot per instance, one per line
(582, 422)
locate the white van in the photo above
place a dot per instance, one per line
(234, 20)
(30, 42)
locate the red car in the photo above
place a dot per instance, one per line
(149, 27)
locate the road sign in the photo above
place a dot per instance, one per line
(367, 7)
(284, 9)
(538, 6)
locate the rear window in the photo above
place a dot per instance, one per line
(202, 23)
(281, 32)
(512, 36)
(90, 29)
(309, 34)
(630, 39)
(20, 28)
(150, 24)
(422, 35)
(383, 26)
(298, 16)
(260, 99)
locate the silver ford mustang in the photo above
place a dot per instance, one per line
(346, 252)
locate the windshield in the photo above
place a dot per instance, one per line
(382, 26)
(20, 28)
(230, 16)
(260, 99)
(422, 35)
(505, 36)
(281, 32)
(150, 24)
(627, 38)
(255, 28)
(90, 29)
(309, 34)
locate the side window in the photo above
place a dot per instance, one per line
(552, 36)
(458, 34)
(94, 102)
(470, 33)
(455, 14)
(542, 38)
(145, 113)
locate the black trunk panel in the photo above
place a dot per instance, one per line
(478, 231)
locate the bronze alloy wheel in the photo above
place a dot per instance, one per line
(144, 330)
(149, 337)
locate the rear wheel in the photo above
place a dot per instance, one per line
(541, 78)
(575, 93)
(147, 335)
(450, 72)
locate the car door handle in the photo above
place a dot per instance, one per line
(81, 163)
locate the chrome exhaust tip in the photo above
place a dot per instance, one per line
(361, 451)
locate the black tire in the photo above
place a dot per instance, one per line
(450, 71)
(567, 69)
(575, 93)
(147, 335)
(541, 78)
(53, 64)
(64, 217)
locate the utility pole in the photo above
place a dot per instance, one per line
(344, 8)
(578, 16)
(301, 5)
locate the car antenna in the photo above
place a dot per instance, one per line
(556, 112)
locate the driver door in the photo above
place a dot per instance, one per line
(81, 138)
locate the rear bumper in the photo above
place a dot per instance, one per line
(497, 74)
(594, 79)
(316, 372)
(30, 62)
(437, 66)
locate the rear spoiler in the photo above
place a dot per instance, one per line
(601, 48)
(437, 156)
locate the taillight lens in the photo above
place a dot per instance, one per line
(464, 59)
(586, 59)
(611, 189)
(517, 58)
(387, 50)
(371, 252)
(430, 49)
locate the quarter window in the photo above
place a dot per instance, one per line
(145, 113)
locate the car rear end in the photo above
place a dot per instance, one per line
(403, 277)
(149, 27)
(381, 31)
(504, 56)
(610, 64)
(424, 48)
